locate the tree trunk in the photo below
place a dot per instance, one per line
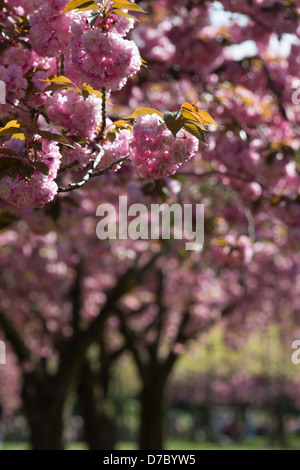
(210, 435)
(278, 433)
(98, 415)
(45, 414)
(152, 418)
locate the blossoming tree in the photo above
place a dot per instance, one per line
(107, 98)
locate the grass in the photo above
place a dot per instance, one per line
(256, 443)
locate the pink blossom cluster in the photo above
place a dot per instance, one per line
(26, 7)
(18, 55)
(115, 23)
(154, 42)
(40, 189)
(55, 28)
(72, 112)
(116, 147)
(15, 84)
(81, 155)
(156, 153)
(119, 148)
(102, 60)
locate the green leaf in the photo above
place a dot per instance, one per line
(174, 122)
(56, 87)
(41, 167)
(6, 161)
(207, 117)
(193, 113)
(80, 4)
(37, 145)
(121, 124)
(91, 91)
(15, 168)
(122, 13)
(78, 139)
(12, 127)
(195, 123)
(27, 171)
(142, 111)
(93, 18)
(4, 171)
(195, 130)
(189, 116)
(54, 137)
(60, 79)
(9, 131)
(19, 136)
(6, 151)
(57, 83)
(35, 119)
(126, 5)
(111, 136)
(25, 44)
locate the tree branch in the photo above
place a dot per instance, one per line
(103, 125)
(90, 169)
(20, 348)
(154, 346)
(91, 173)
(14, 337)
(76, 296)
(131, 338)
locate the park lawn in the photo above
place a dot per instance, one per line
(249, 444)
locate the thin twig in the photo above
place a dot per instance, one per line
(108, 168)
(18, 107)
(103, 125)
(62, 65)
(90, 169)
(91, 173)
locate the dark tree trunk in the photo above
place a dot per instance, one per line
(278, 433)
(152, 418)
(240, 422)
(98, 416)
(44, 411)
(210, 435)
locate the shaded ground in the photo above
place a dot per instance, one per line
(249, 444)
